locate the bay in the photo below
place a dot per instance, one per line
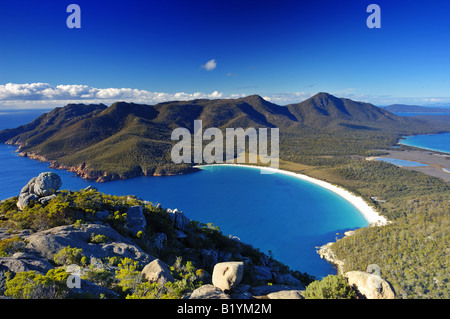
(277, 213)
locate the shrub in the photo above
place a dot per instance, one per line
(68, 256)
(128, 274)
(330, 287)
(99, 239)
(9, 246)
(32, 285)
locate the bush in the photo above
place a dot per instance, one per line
(330, 287)
(99, 239)
(32, 285)
(128, 274)
(9, 246)
(69, 256)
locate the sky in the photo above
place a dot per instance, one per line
(286, 51)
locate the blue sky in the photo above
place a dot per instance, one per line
(286, 51)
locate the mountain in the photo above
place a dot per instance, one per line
(129, 139)
(324, 109)
(416, 109)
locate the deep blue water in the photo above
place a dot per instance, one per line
(434, 142)
(399, 162)
(15, 118)
(275, 212)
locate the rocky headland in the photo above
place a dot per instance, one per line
(88, 244)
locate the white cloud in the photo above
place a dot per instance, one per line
(210, 65)
(44, 95)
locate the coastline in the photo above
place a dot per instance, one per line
(372, 216)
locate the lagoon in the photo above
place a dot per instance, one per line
(400, 162)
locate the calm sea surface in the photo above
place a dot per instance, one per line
(275, 212)
(435, 142)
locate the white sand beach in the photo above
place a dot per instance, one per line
(372, 216)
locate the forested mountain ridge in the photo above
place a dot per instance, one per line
(90, 139)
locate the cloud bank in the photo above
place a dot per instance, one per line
(44, 95)
(35, 94)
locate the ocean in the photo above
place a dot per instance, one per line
(434, 142)
(276, 213)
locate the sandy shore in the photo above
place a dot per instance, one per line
(372, 216)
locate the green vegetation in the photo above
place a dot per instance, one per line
(323, 137)
(69, 256)
(330, 287)
(30, 285)
(189, 256)
(9, 246)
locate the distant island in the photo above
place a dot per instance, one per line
(403, 108)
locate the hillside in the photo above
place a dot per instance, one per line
(128, 139)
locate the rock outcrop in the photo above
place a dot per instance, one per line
(327, 253)
(369, 286)
(49, 242)
(20, 262)
(208, 292)
(41, 188)
(157, 271)
(227, 275)
(135, 221)
(180, 221)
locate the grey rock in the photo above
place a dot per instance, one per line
(288, 279)
(286, 294)
(157, 271)
(42, 188)
(227, 275)
(263, 273)
(101, 215)
(25, 199)
(369, 286)
(49, 242)
(44, 200)
(29, 187)
(208, 292)
(18, 263)
(210, 256)
(268, 289)
(241, 292)
(180, 221)
(45, 184)
(160, 240)
(135, 221)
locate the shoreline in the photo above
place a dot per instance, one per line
(369, 213)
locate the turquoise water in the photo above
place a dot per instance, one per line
(273, 212)
(399, 162)
(434, 142)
